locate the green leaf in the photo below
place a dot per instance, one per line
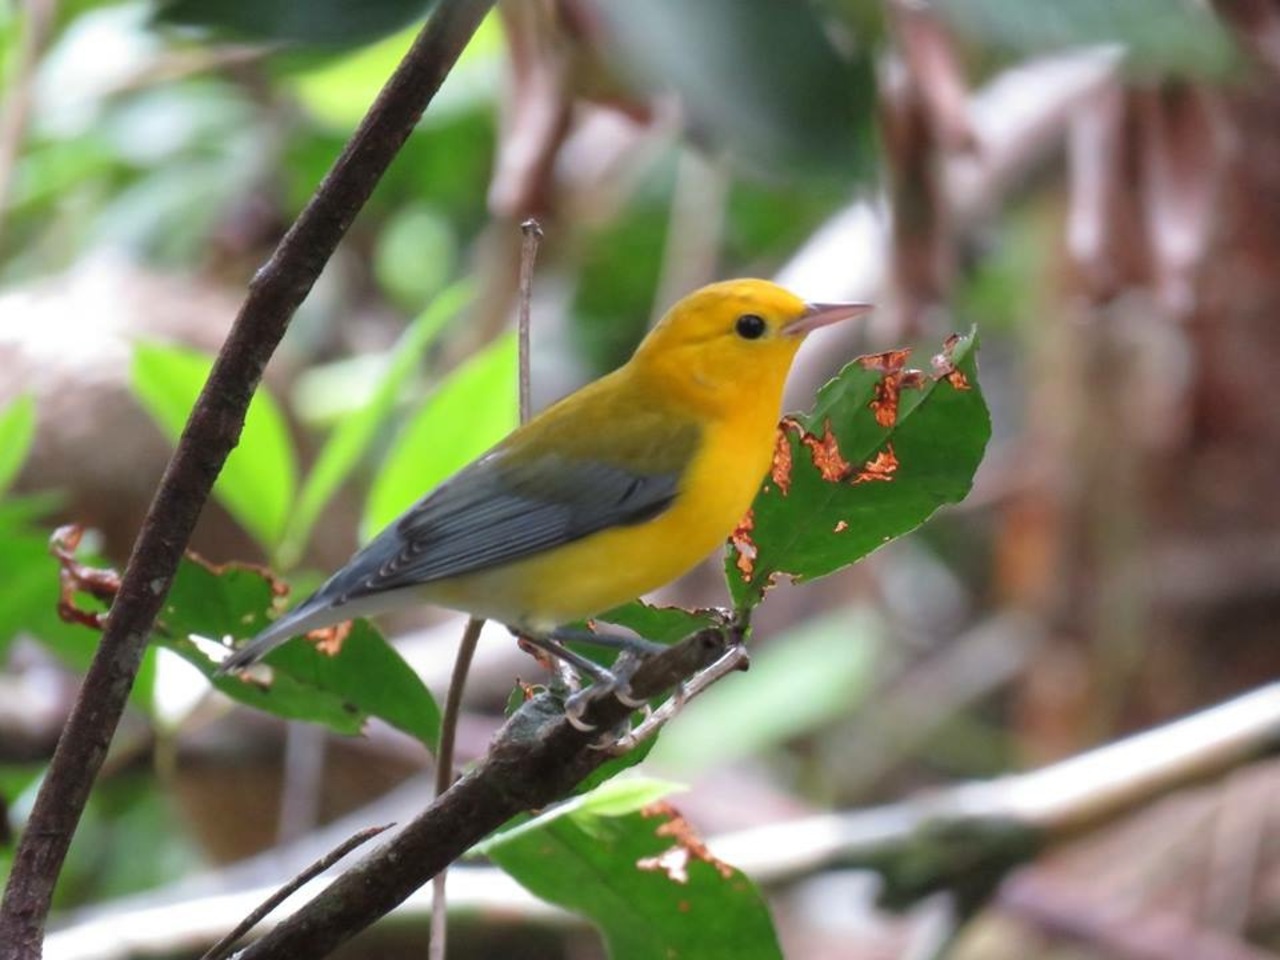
(471, 411)
(1159, 36)
(416, 254)
(17, 430)
(351, 440)
(257, 483)
(326, 23)
(798, 682)
(365, 677)
(29, 600)
(855, 482)
(660, 624)
(761, 77)
(633, 869)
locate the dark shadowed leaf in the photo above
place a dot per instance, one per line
(633, 866)
(1164, 36)
(760, 77)
(323, 23)
(884, 447)
(365, 676)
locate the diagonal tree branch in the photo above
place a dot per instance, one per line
(211, 432)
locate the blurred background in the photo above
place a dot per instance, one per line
(1095, 185)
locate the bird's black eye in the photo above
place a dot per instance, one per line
(750, 326)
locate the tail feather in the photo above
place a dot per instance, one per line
(311, 615)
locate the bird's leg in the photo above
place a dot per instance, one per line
(633, 650)
(611, 641)
(552, 647)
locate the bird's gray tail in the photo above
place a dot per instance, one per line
(311, 615)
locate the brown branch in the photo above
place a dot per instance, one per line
(211, 432)
(537, 758)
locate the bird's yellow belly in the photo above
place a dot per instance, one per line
(609, 568)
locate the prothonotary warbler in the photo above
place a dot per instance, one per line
(612, 492)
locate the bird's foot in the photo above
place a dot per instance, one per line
(616, 684)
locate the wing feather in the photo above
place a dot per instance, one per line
(506, 506)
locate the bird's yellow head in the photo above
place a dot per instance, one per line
(732, 341)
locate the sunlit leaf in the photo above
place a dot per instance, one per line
(351, 439)
(257, 483)
(637, 871)
(17, 430)
(415, 254)
(470, 412)
(883, 448)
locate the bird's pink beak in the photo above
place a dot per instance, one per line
(821, 314)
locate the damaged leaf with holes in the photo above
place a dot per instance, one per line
(623, 857)
(341, 682)
(883, 448)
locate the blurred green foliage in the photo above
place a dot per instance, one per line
(260, 479)
(191, 157)
(470, 411)
(1159, 37)
(335, 23)
(17, 430)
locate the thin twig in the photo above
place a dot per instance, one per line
(444, 773)
(532, 236)
(211, 432)
(471, 635)
(223, 946)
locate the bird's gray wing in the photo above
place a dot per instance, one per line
(495, 512)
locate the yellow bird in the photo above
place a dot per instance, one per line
(612, 492)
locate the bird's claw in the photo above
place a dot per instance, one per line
(576, 705)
